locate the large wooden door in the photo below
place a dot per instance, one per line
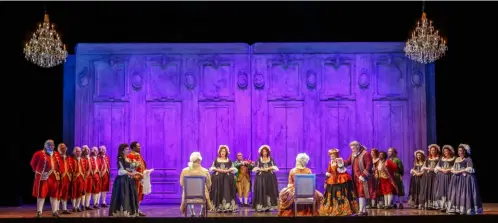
(175, 99)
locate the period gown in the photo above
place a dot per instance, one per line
(286, 197)
(463, 194)
(443, 181)
(223, 188)
(415, 185)
(429, 184)
(340, 196)
(265, 196)
(124, 198)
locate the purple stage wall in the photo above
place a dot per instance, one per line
(296, 97)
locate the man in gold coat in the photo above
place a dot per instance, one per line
(243, 178)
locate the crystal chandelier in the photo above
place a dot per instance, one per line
(45, 47)
(425, 46)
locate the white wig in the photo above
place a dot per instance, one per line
(264, 146)
(95, 149)
(465, 146)
(302, 160)
(194, 157)
(102, 148)
(85, 147)
(225, 147)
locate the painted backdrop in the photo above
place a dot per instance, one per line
(296, 97)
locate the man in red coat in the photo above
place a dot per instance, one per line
(46, 163)
(362, 164)
(88, 178)
(65, 171)
(78, 181)
(387, 184)
(95, 166)
(105, 174)
(135, 156)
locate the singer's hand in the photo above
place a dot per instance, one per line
(362, 179)
(327, 174)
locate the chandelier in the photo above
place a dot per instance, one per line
(425, 45)
(45, 47)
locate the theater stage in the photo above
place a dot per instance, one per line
(170, 213)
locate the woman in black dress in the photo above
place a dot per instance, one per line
(443, 172)
(429, 179)
(124, 199)
(265, 196)
(223, 188)
(416, 180)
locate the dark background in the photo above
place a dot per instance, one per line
(32, 96)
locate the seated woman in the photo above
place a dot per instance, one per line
(195, 169)
(286, 207)
(124, 198)
(340, 196)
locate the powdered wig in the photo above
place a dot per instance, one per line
(302, 160)
(194, 157)
(101, 148)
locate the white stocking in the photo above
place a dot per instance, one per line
(201, 212)
(87, 200)
(39, 204)
(53, 204)
(241, 200)
(245, 200)
(389, 200)
(64, 205)
(373, 202)
(103, 196)
(95, 199)
(139, 211)
(73, 201)
(362, 202)
(78, 202)
(82, 201)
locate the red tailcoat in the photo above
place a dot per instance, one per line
(88, 175)
(136, 157)
(80, 169)
(95, 166)
(105, 173)
(362, 166)
(66, 176)
(386, 171)
(44, 164)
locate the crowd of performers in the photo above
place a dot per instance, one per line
(84, 178)
(443, 181)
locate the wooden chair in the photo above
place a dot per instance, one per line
(304, 185)
(194, 189)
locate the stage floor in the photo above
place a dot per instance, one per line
(172, 211)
